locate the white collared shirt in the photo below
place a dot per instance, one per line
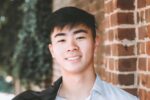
(105, 91)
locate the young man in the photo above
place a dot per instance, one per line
(73, 42)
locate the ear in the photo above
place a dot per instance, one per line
(51, 50)
(97, 41)
(96, 45)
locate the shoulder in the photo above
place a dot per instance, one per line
(27, 95)
(111, 91)
(48, 94)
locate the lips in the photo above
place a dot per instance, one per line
(74, 58)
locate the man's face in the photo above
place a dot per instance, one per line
(73, 49)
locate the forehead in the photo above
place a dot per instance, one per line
(70, 28)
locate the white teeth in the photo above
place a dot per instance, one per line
(73, 58)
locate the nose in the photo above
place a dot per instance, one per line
(72, 46)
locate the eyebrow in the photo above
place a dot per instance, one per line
(59, 34)
(75, 32)
(80, 31)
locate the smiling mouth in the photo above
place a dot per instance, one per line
(73, 58)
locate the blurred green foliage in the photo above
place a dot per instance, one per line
(10, 23)
(5, 86)
(24, 41)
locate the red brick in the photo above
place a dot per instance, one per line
(120, 50)
(141, 48)
(108, 79)
(107, 50)
(125, 4)
(141, 16)
(127, 64)
(138, 17)
(94, 6)
(126, 79)
(142, 79)
(106, 22)
(147, 2)
(111, 35)
(111, 64)
(113, 20)
(142, 94)
(125, 50)
(102, 73)
(148, 31)
(147, 15)
(125, 33)
(148, 80)
(105, 37)
(108, 7)
(142, 64)
(115, 79)
(114, 49)
(141, 3)
(142, 32)
(122, 18)
(125, 18)
(99, 19)
(148, 59)
(106, 62)
(147, 95)
(148, 47)
(145, 80)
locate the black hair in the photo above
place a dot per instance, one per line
(71, 16)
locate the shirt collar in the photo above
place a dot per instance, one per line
(98, 85)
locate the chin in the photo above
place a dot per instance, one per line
(74, 70)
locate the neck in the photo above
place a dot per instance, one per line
(77, 85)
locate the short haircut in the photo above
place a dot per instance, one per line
(71, 16)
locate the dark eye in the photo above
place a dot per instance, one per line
(61, 40)
(81, 37)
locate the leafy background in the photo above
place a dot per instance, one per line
(24, 42)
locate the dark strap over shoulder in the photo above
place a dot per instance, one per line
(48, 94)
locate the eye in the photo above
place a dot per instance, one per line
(81, 37)
(62, 40)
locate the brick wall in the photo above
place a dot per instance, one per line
(120, 56)
(127, 42)
(143, 44)
(124, 28)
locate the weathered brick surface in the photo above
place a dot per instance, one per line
(143, 19)
(111, 35)
(148, 30)
(148, 64)
(147, 14)
(119, 18)
(125, 4)
(124, 79)
(122, 50)
(142, 32)
(142, 64)
(141, 3)
(108, 7)
(127, 65)
(148, 48)
(141, 48)
(147, 2)
(125, 33)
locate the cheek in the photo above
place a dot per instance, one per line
(87, 48)
(58, 51)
